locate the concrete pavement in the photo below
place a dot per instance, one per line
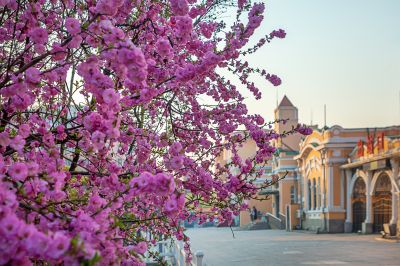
(277, 247)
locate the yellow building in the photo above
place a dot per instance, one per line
(336, 179)
(327, 187)
(283, 193)
(372, 183)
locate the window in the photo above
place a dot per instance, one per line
(292, 195)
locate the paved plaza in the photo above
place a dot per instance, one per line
(277, 247)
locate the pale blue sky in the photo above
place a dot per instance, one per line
(342, 53)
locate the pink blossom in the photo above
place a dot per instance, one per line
(9, 225)
(96, 202)
(108, 7)
(175, 148)
(106, 125)
(35, 186)
(26, 231)
(18, 171)
(4, 2)
(93, 121)
(176, 162)
(73, 25)
(58, 245)
(179, 7)
(165, 183)
(183, 27)
(98, 139)
(75, 42)
(260, 120)
(4, 139)
(163, 47)
(58, 52)
(24, 130)
(33, 168)
(304, 129)
(171, 205)
(278, 33)
(37, 243)
(39, 35)
(140, 247)
(32, 75)
(274, 79)
(110, 96)
(241, 3)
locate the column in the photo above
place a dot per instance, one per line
(323, 181)
(398, 211)
(312, 194)
(348, 226)
(393, 221)
(342, 185)
(306, 195)
(319, 193)
(367, 225)
(395, 169)
(330, 191)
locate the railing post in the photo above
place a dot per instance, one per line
(199, 258)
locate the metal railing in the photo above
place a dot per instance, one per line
(175, 255)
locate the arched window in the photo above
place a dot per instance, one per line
(314, 194)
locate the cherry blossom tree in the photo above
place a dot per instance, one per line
(112, 115)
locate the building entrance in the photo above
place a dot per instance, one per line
(382, 202)
(358, 215)
(358, 204)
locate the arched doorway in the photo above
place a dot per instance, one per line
(382, 202)
(358, 204)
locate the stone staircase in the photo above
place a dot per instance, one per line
(261, 225)
(274, 222)
(258, 225)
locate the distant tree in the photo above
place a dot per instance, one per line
(112, 114)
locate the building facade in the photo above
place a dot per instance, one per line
(282, 166)
(335, 180)
(336, 167)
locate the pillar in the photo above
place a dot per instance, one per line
(275, 206)
(395, 221)
(199, 257)
(395, 169)
(367, 225)
(342, 188)
(394, 207)
(348, 225)
(323, 181)
(306, 195)
(312, 194)
(330, 191)
(398, 211)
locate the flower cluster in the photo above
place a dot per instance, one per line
(104, 131)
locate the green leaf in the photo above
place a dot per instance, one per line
(96, 258)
